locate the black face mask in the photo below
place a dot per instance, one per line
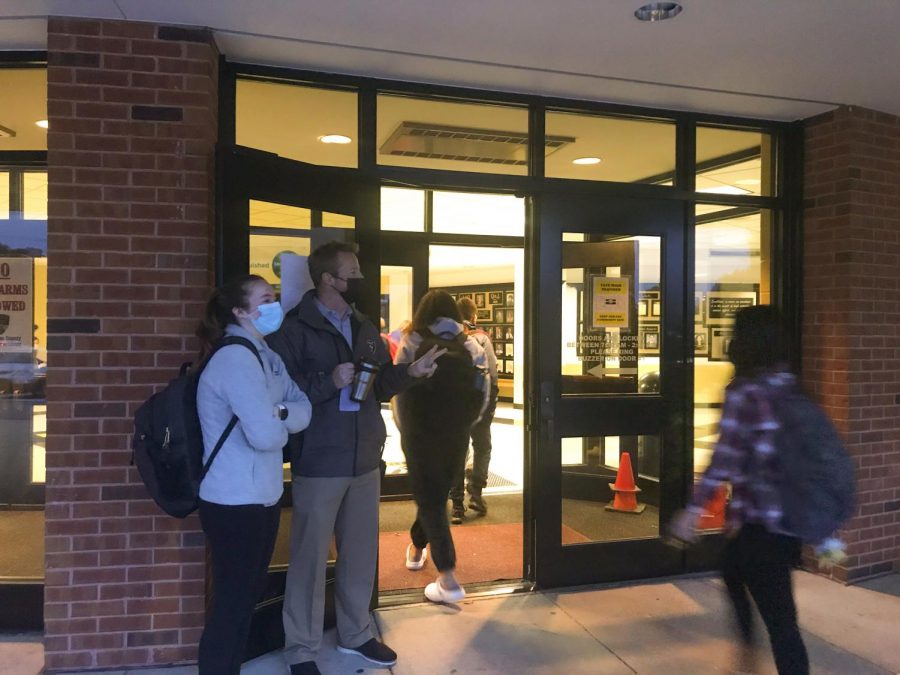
(354, 289)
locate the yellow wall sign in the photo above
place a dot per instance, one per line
(610, 302)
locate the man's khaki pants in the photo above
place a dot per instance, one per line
(348, 508)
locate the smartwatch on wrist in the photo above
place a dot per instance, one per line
(282, 411)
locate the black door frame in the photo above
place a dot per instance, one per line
(553, 416)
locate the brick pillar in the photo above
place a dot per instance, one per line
(133, 111)
(851, 325)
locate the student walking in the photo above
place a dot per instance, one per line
(436, 416)
(481, 430)
(760, 551)
(239, 495)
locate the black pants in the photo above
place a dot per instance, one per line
(757, 564)
(481, 451)
(241, 540)
(431, 463)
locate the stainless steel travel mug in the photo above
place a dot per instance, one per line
(363, 380)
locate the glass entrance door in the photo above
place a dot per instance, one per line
(608, 424)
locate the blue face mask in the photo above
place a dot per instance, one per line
(270, 317)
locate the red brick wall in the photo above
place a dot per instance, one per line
(851, 322)
(133, 118)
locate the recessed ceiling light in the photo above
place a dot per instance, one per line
(587, 160)
(658, 11)
(337, 139)
(43, 124)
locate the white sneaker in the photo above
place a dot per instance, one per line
(412, 564)
(437, 593)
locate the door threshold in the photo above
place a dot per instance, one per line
(486, 589)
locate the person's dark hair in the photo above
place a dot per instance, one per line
(433, 305)
(325, 257)
(466, 308)
(218, 315)
(758, 344)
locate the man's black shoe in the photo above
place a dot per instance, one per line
(374, 651)
(457, 513)
(305, 668)
(477, 504)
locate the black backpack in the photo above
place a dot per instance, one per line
(456, 390)
(816, 477)
(168, 441)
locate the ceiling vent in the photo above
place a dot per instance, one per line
(6, 133)
(464, 144)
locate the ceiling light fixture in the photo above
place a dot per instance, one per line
(658, 11)
(335, 139)
(43, 124)
(586, 160)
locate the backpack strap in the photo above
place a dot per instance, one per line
(224, 342)
(237, 340)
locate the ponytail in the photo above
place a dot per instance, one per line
(219, 308)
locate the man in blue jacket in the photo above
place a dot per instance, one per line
(335, 462)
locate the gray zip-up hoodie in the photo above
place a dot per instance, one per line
(248, 468)
(448, 329)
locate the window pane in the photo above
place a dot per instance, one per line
(23, 327)
(469, 213)
(630, 151)
(338, 220)
(34, 195)
(4, 195)
(453, 136)
(733, 162)
(23, 103)
(265, 255)
(591, 509)
(396, 312)
(294, 121)
(732, 271)
(396, 296)
(611, 315)
(270, 214)
(402, 210)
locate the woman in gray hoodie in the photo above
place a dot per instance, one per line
(239, 495)
(435, 416)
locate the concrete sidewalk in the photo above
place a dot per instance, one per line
(674, 626)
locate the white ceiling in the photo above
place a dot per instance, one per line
(777, 59)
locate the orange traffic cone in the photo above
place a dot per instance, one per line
(626, 491)
(713, 517)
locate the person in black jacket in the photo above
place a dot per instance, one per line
(435, 419)
(335, 462)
